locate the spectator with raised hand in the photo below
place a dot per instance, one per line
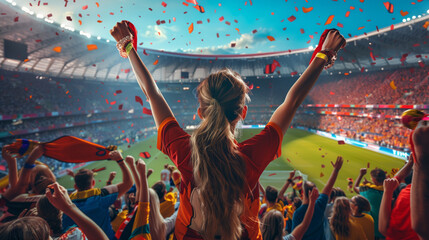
(359, 205)
(373, 191)
(289, 182)
(316, 229)
(11, 163)
(141, 221)
(420, 182)
(95, 202)
(342, 224)
(58, 197)
(218, 174)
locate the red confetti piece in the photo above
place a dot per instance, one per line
(111, 13)
(392, 27)
(69, 18)
(322, 175)
(113, 103)
(200, 8)
(372, 55)
(227, 23)
(302, 30)
(306, 10)
(347, 13)
(118, 91)
(367, 165)
(293, 73)
(271, 38)
(145, 155)
(404, 13)
(323, 166)
(332, 93)
(190, 28)
(16, 19)
(254, 31)
(145, 53)
(164, 4)
(85, 7)
(341, 142)
(421, 64)
(156, 62)
(98, 5)
(107, 101)
(340, 25)
(389, 7)
(147, 111)
(221, 18)
(360, 28)
(139, 100)
(291, 18)
(329, 20)
(272, 174)
(185, 4)
(120, 106)
(91, 47)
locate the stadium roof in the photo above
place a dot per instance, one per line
(403, 44)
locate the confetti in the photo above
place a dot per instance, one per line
(200, 8)
(389, 7)
(85, 7)
(322, 175)
(16, 19)
(120, 106)
(271, 38)
(404, 13)
(164, 4)
(323, 166)
(254, 31)
(340, 25)
(156, 62)
(118, 91)
(221, 18)
(341, 142)
(192, 1)
(347, 13)
(367, 165)
(191, 28)
(329, 20)
(306, 10)
(91, 47)
(57, 49)
(372, 56)
(144, 155)
(69, 18)
(139, 100)
(80, 22)
(147, 111)
(272, 174)
(392, 85)
(98, 5)
(291, 18)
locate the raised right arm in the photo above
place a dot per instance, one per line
(389, 185)
(337, 166)
(362, 173)
(159, 107)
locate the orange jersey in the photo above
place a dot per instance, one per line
(257, 152)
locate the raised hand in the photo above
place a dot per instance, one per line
(141, 166)
(334, 41)
(59, 198)
(115, 155)
(120, 31)
(292, 174)
(314, 194)
(363, 171)
(112, 176)
(130, 160)
(338, 163)
(7, 155)
(390, 184)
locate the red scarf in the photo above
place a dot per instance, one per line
(66, 149)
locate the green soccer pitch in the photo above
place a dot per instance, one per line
(309, 153)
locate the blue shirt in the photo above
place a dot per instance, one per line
(95, 204)
(316, 230)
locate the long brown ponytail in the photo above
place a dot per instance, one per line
(219, 171)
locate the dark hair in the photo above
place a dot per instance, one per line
(41, 183)
(271, 194)
(50, 214)
(362, 204)
(379, 175)
(25, 228)
(339, 192)
(160, 189)
(83, 179)
(307, 187)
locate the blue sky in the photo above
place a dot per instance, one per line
(267, 17)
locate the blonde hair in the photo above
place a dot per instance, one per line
(340, 220)
(272, 225)
(156, 221)
(219, 170)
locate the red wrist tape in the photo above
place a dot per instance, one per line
(133, 31)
